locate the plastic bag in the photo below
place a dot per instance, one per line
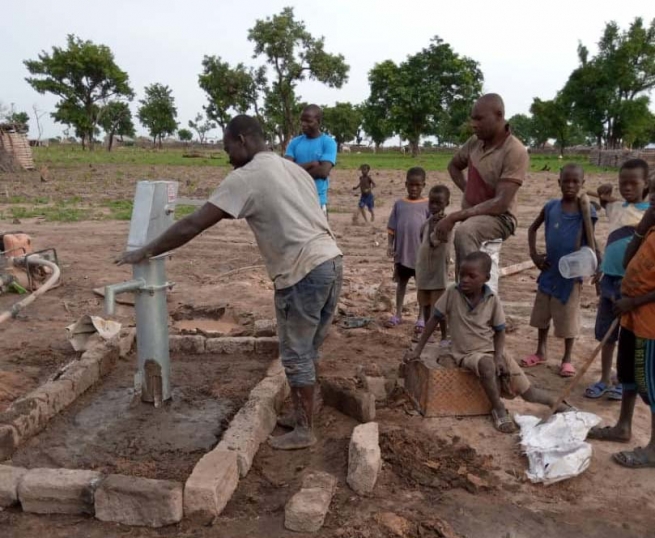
(556, 449)
(493, 249)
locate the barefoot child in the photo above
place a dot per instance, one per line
(636, 355)
(558, 298)
(623, 215)
(432, 259)
(404, 231)
(477, 328)
(366, 200)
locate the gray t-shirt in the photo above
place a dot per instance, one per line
(278, 200)
(405, 222)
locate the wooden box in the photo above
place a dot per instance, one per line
(445, 392)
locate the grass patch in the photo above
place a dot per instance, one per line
(122, 210)
(52, 214)
(67, 155)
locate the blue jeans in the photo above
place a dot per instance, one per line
(304, 314)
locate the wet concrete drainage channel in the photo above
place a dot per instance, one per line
(98, 381)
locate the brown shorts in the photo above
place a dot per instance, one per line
(428, 297)
(518, 381)
(566, 317)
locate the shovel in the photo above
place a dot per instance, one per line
(568, 388)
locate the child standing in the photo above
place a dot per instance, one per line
(432, 259)
(623, 216)
(558, 298)
(636, 355)
(404, 237)
(477, 326)
(366, 200)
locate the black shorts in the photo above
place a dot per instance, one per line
(625, 358)
(402, 272)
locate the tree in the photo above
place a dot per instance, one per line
(375, 122)
(294, 55)
(607, 91)
(185, 135)
(158, 112)
(342, 121)
(21, 119)
(555, 117)
(430, 93)
(116, 119)
(85, 76)
(521, 126)
(230, 89)
(202, 128)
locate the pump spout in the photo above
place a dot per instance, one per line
(116, 289)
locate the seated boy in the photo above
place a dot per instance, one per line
(477, 330)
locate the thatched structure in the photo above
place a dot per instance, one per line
(15, 151)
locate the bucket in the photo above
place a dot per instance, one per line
(582, 263)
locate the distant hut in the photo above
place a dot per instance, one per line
(15, 151)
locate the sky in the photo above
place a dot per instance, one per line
(526, 49)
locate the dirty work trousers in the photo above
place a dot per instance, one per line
(470, 234)
(304, 314)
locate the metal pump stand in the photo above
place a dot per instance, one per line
(152, 214)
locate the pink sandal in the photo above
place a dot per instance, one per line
(532, 360)
(567, 370)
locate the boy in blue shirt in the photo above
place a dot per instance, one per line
(314, 151)
(624, 216)
(558, 298)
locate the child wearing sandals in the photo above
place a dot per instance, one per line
(623, 215)
(432, 259)
(476, 321)
(636, 355)
(558, 298)
(404, 238)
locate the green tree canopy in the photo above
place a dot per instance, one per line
(554, 117)
(430, 93)
(609, 91)
(342, 121)
(85, 76)
(185, 135)
(521, 125)
(294, 55)
(116, 119)
(202, 127)
(157, 112)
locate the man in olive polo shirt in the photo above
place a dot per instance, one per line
(497, 164)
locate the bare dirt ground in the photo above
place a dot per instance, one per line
(441, 477)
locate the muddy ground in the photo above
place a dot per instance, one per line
(441, 477)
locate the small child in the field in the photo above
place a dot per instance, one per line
(404, 232)
(558, 298)
(366, 200)
(432, 259)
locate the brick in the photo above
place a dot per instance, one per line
(364, 458)
(306, 510)
(211, 485)
(83, 374)
(231, 345)
(139, 501)
(105, 354)
(377, 386)
(344, 396)
(58, 491)
(126, 342)
(9, 440)
(186, 343)
(9, 478)
(265, 327)
(268, 346)
(255, 421)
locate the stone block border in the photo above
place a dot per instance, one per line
(145, 502)
(266, 346)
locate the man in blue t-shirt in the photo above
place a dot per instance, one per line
(314, 151)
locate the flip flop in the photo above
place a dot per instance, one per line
(615, 393)
(393, 322)
(635, 459)
(419, 326)
(503, 424)
(605, 434)
(567, 370)
(596, 390)
(532, 360)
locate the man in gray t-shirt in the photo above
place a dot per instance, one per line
(278, 200)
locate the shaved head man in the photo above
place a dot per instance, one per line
(497, 164)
